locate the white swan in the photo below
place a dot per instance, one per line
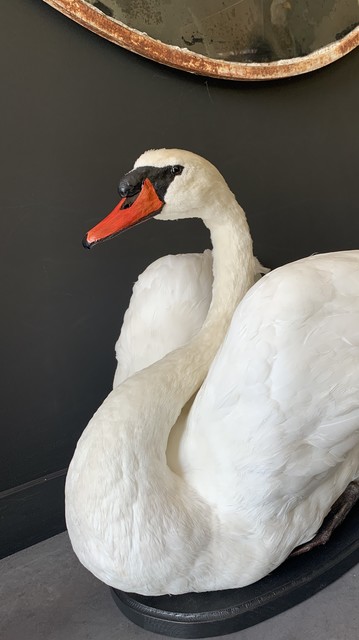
(272, 438)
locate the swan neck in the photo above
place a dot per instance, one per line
(233, 268)
(233, 271)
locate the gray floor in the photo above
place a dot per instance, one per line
(46, 594)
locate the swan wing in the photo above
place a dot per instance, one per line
(277, 419)
(168, 306)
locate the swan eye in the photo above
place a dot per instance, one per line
(176, 169)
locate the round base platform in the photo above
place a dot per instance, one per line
(200, 615)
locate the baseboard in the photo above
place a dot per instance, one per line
(32, 512)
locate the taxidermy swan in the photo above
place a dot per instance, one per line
(234, 427)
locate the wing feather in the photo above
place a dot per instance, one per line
(277, 419)
(168, 306)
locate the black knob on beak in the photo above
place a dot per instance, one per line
(123, 189)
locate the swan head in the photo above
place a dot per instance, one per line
(167, 184)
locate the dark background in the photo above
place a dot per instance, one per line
(76, 111)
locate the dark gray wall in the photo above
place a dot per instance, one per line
(76, 111)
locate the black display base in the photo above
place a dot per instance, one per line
(200, 615)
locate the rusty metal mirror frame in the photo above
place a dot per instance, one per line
(174, 56)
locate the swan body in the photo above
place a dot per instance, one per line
(234, 427)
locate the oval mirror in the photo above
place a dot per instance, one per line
(239, 40)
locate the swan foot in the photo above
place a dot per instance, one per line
(335, 517)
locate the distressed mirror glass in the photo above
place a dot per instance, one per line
(245, 39)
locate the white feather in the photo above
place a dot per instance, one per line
(169, 304)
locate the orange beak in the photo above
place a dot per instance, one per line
(146, 205)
